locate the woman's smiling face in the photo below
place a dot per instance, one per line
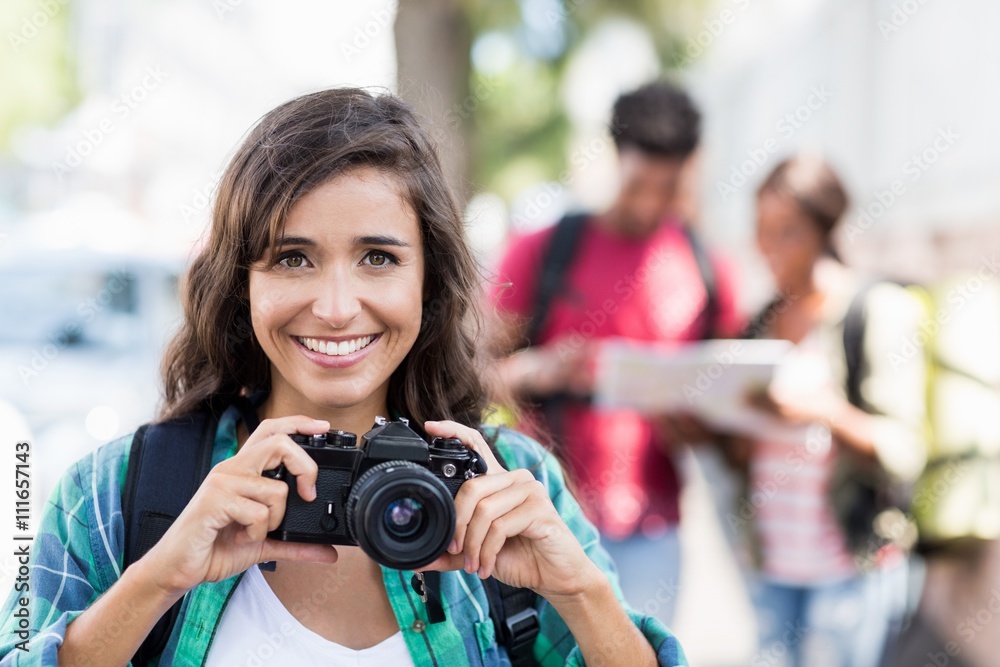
(338, 304)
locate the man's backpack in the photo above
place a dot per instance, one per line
(558, 258)
(168, 462)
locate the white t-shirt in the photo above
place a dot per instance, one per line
(257, 631)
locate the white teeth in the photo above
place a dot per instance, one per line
(333, 349)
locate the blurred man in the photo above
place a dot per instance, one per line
(636, 271)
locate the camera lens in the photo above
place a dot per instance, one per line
(401, 515)
(404, 518)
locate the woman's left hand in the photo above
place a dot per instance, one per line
(508, 527)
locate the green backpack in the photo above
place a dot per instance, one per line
(956, 501)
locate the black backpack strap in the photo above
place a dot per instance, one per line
(709, 278)
(556, 260)
(166, 465)
(854, 346)
(512, 610)
(515, 620)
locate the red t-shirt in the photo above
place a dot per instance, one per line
(650, 290)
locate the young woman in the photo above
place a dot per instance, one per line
(829, 578)
(336, 284)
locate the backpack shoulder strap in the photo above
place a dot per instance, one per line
(556, 260)
(708, 278)
(166, 465)
(512, 610)
(515, 620)
(855, 323)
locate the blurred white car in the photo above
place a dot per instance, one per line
(81, 337)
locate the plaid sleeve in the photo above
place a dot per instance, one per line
(555, 645)
(74, 558)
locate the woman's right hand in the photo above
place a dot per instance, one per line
(223, 530)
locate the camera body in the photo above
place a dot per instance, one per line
(393, 496)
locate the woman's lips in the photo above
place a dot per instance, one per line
(337, 360)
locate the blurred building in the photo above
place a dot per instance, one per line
(895, 92)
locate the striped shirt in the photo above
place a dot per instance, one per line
(78, 553)
(800, 539)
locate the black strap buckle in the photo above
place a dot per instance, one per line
(522, 628)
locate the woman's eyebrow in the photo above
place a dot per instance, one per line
(380, 240)
(294, 240)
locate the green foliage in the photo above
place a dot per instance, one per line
(520, 128)
(37, 73)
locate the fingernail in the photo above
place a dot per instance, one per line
(453, 547)
(321, 422)
(482, 573)
(468, 565)
(314, 492)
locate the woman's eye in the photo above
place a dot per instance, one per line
(292, 261)
(379, 258)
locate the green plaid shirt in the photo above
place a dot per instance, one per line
(77, 555)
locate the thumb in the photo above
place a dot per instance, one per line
(297, 551)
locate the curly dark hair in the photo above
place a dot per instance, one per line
(292, 150)
(659, 118)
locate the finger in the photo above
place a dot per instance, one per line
(280, 449)
(509, 525)
(489, 510)
(299, 552)
(270, 492)
(287, 426)
(470, 437)
(249, 514)
(472, 492)
(445, 563)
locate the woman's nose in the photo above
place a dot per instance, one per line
(337, 302)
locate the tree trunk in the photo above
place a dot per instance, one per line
(433, 39)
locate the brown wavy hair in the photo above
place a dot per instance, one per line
(293, 149)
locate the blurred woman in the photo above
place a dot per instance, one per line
(829, 546)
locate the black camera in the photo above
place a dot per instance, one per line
(393, 496)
